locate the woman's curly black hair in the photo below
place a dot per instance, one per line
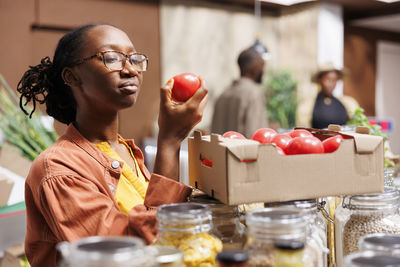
(43, 83)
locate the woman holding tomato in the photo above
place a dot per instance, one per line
(325, 108)
(92, 181)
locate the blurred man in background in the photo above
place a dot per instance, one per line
(241, 107)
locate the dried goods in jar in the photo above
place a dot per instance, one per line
(187, 226)
(360, 225)
(199, 249)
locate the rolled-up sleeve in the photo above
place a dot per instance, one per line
(156, 194)
(75, 207)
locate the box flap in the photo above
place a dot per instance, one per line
(365, 143)
(16, 251)
(243, 149)
(13, 256)
(6, 186)
(11, 159)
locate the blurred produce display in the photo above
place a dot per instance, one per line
(281, 98)
(359, 119)
(30, 135)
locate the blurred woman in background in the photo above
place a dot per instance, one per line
(325, 108)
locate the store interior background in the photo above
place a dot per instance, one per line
(205, 37)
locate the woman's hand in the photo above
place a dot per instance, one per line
(175, 122)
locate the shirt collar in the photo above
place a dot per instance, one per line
(75, 136)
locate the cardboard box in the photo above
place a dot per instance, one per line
(12, 226)
(6, 186)
(265, 176)
(11, 159)
(13, 256)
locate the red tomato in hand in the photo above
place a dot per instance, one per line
(264, 135)
(233, 135)
(185, 85)
(281, 140)
(332, 143)
(300, 132)
(304, 145)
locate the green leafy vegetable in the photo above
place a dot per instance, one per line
(29, 135)
(281, 98)
(360, 119)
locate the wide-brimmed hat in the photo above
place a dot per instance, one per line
(328, 67)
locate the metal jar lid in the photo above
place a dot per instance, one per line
(105, 250)
(233, 256)
(376, 201)
(281, 223)
(371, 259)
(380, 242)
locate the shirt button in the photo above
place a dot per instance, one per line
(115, 164)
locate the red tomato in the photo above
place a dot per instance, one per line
(280, 151)
(264, 135)
(233, 135)
(281, 140)
(332, 143)
(300, 132)
(207, 162)
(185, 85)
(304, 145)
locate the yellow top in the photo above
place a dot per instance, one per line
(131, 189)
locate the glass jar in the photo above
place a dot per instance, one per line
(317, 226)
(388, 175)
(226, 222)
(188, 227)
(383, 243)
(371, 259)
(289, 254)
(266, 227)
(365, 214)
(169, 256)
(97, 251)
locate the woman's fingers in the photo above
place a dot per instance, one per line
(199, 95)
(165, 92)
(203, 104)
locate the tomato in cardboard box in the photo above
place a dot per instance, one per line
(245, 171)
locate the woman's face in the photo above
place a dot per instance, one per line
(100, 88)
(328, 82)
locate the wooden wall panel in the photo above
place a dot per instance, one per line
(20, 46)
(15, 52)
(360, 59)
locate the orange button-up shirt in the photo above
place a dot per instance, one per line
(70, 194)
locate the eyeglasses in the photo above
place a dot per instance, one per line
(115, 60)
